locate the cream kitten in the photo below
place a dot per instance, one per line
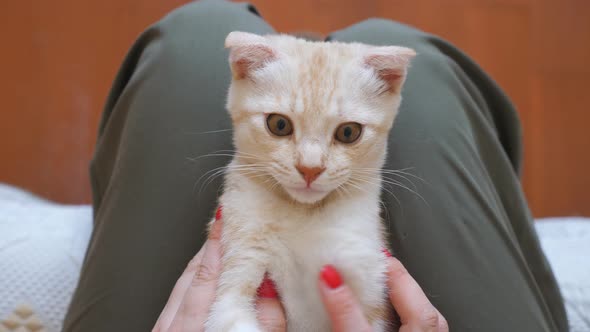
(311, 121)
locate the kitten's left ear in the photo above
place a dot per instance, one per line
(248, 52)
(390, 63)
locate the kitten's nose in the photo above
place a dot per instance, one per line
(310, 173)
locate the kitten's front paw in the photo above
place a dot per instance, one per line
(227, 316)
(245, 327)
(238, 326)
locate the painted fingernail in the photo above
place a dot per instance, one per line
(218, 213)
(386, 252)
(267, 289)
(330, 276)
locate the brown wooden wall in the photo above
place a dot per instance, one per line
(59, 57)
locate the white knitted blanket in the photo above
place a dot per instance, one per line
(42, 246)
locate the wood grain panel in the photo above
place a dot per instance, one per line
(562, 38)
(561, 50)
(564, 154)
(56, 74)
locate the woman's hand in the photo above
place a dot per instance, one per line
(193, 294)
(416, 312)
(188, 306)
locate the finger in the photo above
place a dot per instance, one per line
(199, 296)
(415, 310)
(270, 313)
(443, 326)
(171, 307)
(181, 286)
(341, 305)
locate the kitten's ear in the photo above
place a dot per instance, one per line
(390, 64)
(248, 52)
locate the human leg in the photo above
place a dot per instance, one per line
(463, 230)
(150, 208)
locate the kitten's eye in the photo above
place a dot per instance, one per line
(348, 132)
(279, 125)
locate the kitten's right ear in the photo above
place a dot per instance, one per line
(248, 52)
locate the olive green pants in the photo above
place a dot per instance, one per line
(465, 235)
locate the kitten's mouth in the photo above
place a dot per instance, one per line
(306, 190)
(306, 194)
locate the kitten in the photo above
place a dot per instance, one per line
(311, 121)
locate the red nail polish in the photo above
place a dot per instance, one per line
(218, 213)
(267, 289)
(386, 252)
(330, 276)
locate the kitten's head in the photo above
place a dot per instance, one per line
(312, 118)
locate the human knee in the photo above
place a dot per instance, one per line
(194, 34)
(206, 19)
(381, 31)
(380, 23)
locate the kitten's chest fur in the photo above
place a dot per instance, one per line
(296, 242)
